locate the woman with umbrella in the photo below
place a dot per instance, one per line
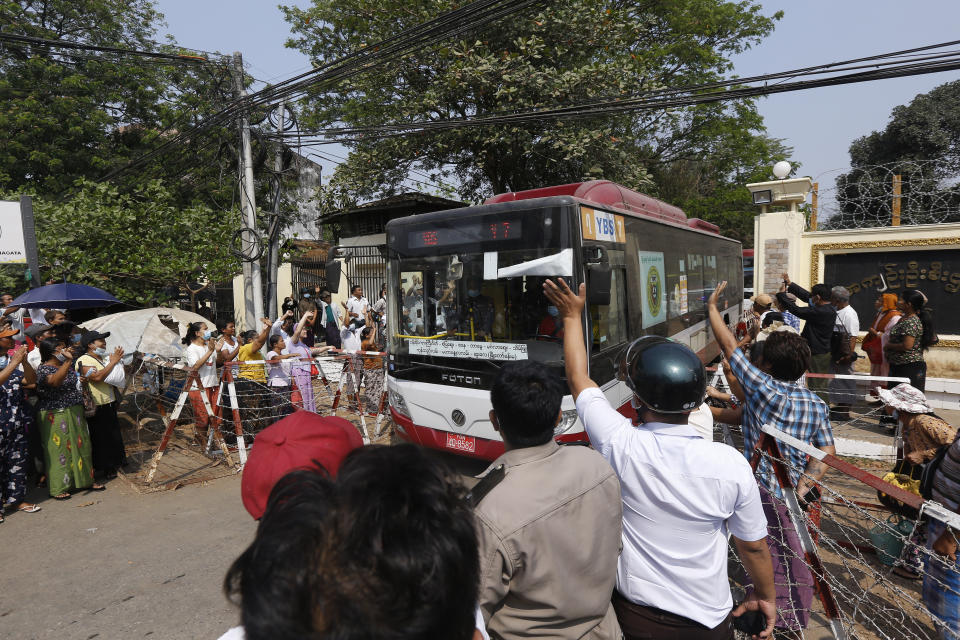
(16, 417)
(63, 429)
(95, 366)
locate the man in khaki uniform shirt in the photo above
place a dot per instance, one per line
(549, 530)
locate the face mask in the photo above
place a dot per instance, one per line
(75, 338)
(306, 296)
(59, 356)
(100, 351)
(207, 334)
(473, 293)
(553, 311)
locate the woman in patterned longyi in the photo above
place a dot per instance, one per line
(15, 419)
(63, 429)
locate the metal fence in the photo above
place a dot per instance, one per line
(366, 266)
(307, 273)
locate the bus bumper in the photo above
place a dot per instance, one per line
(437, 439)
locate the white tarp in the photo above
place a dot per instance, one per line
(144, 330)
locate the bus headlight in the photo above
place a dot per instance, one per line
(398, 404)
(567, 420)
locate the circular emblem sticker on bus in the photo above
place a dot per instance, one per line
(654, 291)
(458, 417)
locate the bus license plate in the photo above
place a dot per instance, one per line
(461, 443)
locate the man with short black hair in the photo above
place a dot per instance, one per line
(387, 549)
(820, 318)
(773, 397)
(682, 494)
(558, 504)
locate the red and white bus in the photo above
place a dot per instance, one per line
(465, 295)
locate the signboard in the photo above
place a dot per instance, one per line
(653, 282)
(600, 225)
(468, 350)
(12, 247)
(935, 272)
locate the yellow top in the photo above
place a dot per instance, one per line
(101, 392)
(253, 372)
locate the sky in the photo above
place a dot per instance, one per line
(819, 124)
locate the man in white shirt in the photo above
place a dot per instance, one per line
(842, 391)
(682, 494)
(356, 304)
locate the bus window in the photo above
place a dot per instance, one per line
(413, 321)
(710, 275)
(609, 322)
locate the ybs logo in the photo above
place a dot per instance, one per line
(606, 226)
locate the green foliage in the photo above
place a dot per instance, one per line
(921, 143)
(139, 245)
(67, 115)
(570, 52)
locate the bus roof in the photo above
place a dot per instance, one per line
(604, 192)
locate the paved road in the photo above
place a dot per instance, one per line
(129, 565)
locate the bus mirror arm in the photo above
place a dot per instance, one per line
(598, 274)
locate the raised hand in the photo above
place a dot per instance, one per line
(716, 293)
(568, 303)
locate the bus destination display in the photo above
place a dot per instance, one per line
(465, 233)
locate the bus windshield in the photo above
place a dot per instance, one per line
(480, 300)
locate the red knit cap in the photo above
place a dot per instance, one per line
(295, 442)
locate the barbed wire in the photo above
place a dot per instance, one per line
(866, 196)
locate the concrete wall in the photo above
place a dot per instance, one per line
(780, 238)
(284, 289)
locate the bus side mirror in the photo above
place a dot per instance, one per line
(333, 275)
(597, 262)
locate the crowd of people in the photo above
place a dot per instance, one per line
(58, 407)
(626, 538)
(270, 389)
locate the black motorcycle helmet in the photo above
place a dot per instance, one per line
(665, 375)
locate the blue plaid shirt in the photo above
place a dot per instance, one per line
(786, 406)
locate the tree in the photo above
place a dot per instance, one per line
(921, 143)
(140, 245)
(73, 114)
(570, 52)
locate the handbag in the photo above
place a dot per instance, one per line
(840, 351)
(89, 406)
(872, 346)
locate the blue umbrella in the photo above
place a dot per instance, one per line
(65, 295)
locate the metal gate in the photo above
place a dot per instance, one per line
(307, 273)
(365, 266)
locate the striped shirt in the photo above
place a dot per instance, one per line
(786, 406)
(946, 480)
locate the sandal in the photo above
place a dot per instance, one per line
(97, 487)
(33, 508)
(1, 518)
(62, 496)
(907, 572)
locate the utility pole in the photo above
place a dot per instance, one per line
(252, 284)
(273, 236)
